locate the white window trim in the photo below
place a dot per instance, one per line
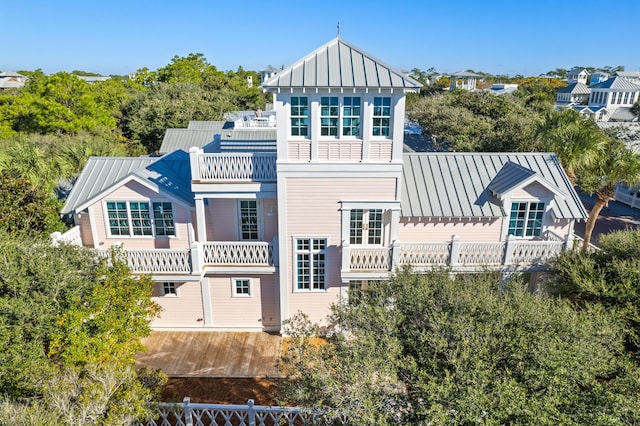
(371, 107)
(105, 215)
(341, 116)
(259, 218)
(294, 264)
(175, 286)
(309, 117)
(544, 220)
(233, 287)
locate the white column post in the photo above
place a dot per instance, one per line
(207, 311)
(200, 220)
(196, 258)
(454, 255)
(508, 251)
(194, 163)
(346, 256)
(395, 255)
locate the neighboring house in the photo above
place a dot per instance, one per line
(11, 80)
(632, 76)
(578, 75)
(93, 78)
(268, 72)
(463, 80)
(598, 77)
(502, 88)
(573, 94)
(616, 95)
(244, 231)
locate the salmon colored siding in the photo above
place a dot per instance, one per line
(380, 151)
(85, 229)
(415, 231)
(256, 311)
(222, 219)
(313, 210)
(532, 191)
(184, 310)
(133, 191)
(299, 151)
(340, 150)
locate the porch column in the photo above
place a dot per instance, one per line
(200, 220)
(207, 311)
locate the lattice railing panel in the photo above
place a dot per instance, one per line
(159, 261)
(425, 254)
(256, 167)
(534, 252)
(370, 259)
(481, 253)
(237, 253)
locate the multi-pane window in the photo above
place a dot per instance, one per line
(310, 263)
(136, 218)
(299, 116)
(351, 116)
(526, 219)
(163, 219)
(241, 287)
(365, 226)
(329, 116)
(169, 289)
(249, 219)
(381, 116)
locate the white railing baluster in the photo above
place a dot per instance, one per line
(237, 253)
(236, 167)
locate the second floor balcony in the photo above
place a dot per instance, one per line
(236, 167)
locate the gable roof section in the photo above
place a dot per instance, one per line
(457, 184)
(619, 83)
(339, 63)
(169, 174)
(575, 88)
(513, 176)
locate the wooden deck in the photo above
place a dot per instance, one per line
(211, 354)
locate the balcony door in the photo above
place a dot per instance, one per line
(366, 227)
(249, 220)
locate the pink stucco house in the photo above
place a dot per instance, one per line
(242, 227)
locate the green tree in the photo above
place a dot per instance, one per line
(615, 165)
(609, 277)
(69, 327)
(432, 349)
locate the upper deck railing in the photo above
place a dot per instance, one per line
(232, 167)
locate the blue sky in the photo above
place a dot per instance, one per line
(499, 37)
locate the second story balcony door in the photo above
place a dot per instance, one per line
(249, 220)
(366, 227)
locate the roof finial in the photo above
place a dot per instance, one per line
(338, 28)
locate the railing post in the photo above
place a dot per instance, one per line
(568, 242)
(55, 238)
(251, 414)
(508, 251)
(186, 409)
(194, 163)
(395, 255)
(454, 255)
(196, 258)
(346, 256)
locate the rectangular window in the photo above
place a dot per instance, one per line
(526, 219)
(365, 227)
(163, 219)
(249, 219)
(351, 116)
(169, 289)
(310, 263)
(329, 116)
(241, 287)
(381, 116)
(118, 217)
(299, 116)
(135, 218)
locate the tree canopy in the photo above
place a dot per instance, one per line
(435, 349)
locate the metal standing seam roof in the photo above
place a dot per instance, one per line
(340, 64)
(457, 184)
(619, 83)
(576, 88)
(184, 139)
(170, 174)
(208, 125)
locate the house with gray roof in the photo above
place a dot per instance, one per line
(11, 80)
(573, 94)
(241, 227)
(578, 75)
(465, 80)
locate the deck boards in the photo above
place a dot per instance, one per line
(211, 354)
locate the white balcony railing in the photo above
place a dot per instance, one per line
(237, 253)
(156, 261)
(72, 236)
(233, 167)
(456, 254)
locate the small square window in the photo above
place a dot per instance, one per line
(241, 287)
(169, 289)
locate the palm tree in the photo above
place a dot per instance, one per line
(615, 165)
